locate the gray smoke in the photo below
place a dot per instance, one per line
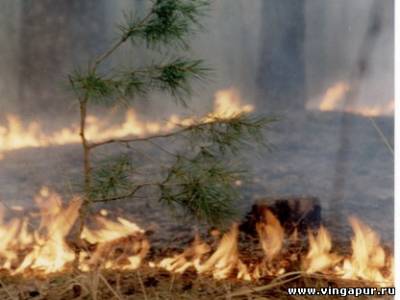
(232, 42)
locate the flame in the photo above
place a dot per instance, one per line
(374, 110)
(271, 235)
(50, 252)
(225, 261)
(228, 103)
(226, 258)
(319, 256)
(221, 264)
(110, 230)
(9, 233)
(368, 258)
(14, 135)
(46, 250)
(122, 245)
(191, 257)
(334, 97)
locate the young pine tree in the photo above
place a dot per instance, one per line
(198, 181)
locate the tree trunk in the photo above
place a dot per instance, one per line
(281, 77)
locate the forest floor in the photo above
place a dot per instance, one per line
(303, 162)
(148, 283)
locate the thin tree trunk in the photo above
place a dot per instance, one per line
(281, 77)
(87, 178)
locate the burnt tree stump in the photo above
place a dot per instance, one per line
(302, 213)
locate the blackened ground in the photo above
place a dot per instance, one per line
(303, 162)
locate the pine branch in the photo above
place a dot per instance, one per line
(111, 177)
(201, 183)
(174, 77)
(169, 23)
(141, 139)
(102, 57)
(127, 195)
(224, 131)
(202, 187)
(231, 134)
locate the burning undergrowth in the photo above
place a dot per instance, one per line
(116, 255)
(39, 244)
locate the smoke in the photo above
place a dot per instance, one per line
(335, 32)
(231, 44)
(9, 20)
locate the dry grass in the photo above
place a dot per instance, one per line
(149, 284)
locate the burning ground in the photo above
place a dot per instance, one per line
(44, 261)
(36, 241)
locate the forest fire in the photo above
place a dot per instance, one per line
(14, 135)
(197, 149)
(334, 100)
(41, 244)
(120, 244)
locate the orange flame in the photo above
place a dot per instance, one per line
(271, 235)
(367, 262)
(225, 261)
(13, 235)
(122, 244)
(222, 263)
(374, 110)
(334, 97)
(46, 250)
(226, 258)
(228, 103)
(16, 136)
(50, 253)
(368, 258)
(189, 258)
(319, 256)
